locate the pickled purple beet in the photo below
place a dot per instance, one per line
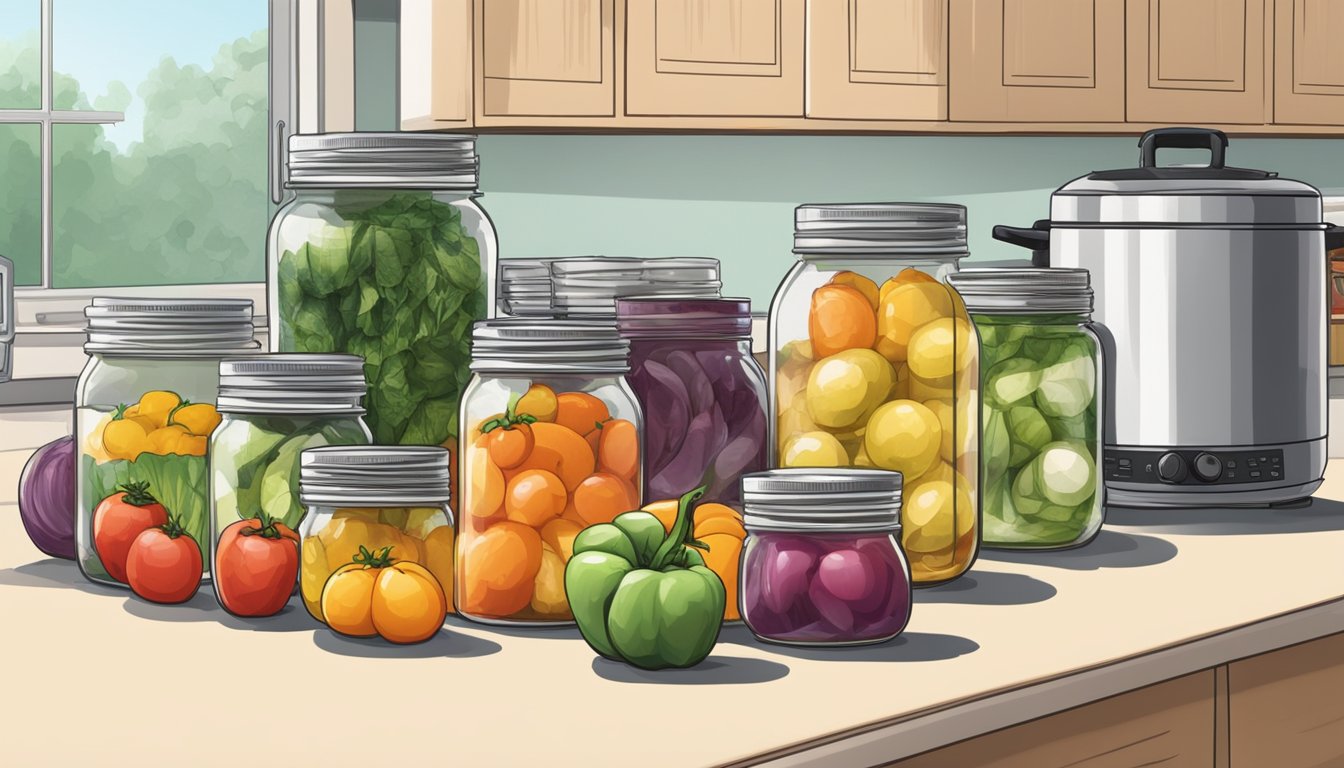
(666, 424)
(787, 573)
(848, 575)
(697, 382)
(834, 611)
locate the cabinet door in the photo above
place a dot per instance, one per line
(435, 39)
(546, 58)
(877, 59)
(1308, 70)
(723, 58)
(1286, 707)
(1170, 723)
(1044, 61)
(1196, 61)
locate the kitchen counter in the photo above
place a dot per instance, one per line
(94, 672)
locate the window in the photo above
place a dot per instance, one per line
(133, 143)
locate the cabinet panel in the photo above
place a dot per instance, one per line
(1196, 61)
(1171, 723)
(435, 38)
(877, 59)
(1308, 71)
(714, 57)
(1037, 61)
(546, 57)
(1286, 707)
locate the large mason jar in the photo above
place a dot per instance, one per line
(384, 253)
(874, 363)
(144, 413)
(1042, 371)
(551, 445)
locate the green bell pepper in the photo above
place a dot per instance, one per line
(643, 597)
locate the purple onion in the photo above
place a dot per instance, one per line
(47, 498)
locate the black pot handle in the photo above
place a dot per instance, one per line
(1036, 239)
(1182, 138)
(1334, 237)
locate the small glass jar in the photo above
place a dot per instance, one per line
(553, 445)
(1041, 444)
(374, 497)
(145, 409)
(274, 408)
(823, 562)
(385, 253)
(874, 363)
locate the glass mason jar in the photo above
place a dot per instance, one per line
(551, 445)
(274, 408)
(874, 363)
(1041, 438)
(373, 260)
(144, 412)
(823, 562)
(367, 499)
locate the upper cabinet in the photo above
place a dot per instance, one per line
(1196, 61)
(727, 58)
(1308, 70)
(1037, 60)
(546, 58)
(877, 59)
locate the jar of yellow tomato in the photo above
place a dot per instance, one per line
(144, 413)
(874, 363)
(551, 445)
(371, 509)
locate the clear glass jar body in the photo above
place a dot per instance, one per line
(163, 444)
(874, 362)
(519, 519)
(824, 588)
(1041, 437)
(397, 277)
(331, 536)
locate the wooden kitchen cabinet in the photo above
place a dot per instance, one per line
(724, 58)
(1171, 723)
(1037, 61)
(1195, 61)
(1308, 70)
(1287, 707)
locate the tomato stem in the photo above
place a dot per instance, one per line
(173, 528)
(137, 494)
(267, 529)
(368, 559)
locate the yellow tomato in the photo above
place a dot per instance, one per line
(407, 604)
(198, 418)
(957, 438)
(933, 514)
(156, 405)
(862, 284)
(941, 348)
(125, 439)
(905, 308)
(439, 553)
(844, 387)
(313, 573)
(540, 402)
(164, 440)
(548, 592)
(559, 535)
(814, 449)
(347, 600)
(904, 436)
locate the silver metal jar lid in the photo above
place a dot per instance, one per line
(822, 500)
(373, 475)
(383, 160)
(525, 287)
(881, 229)
(525, 345)
(1024, 291)
(169, 327)
(292, 383)
(589, 286)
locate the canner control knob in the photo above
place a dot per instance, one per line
(1208, 467)
(1171, 468)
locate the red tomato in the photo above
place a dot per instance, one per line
(119, 519)
(164, 565)
(256, 567)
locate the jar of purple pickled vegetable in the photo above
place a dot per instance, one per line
(703, 394)
(823, 564)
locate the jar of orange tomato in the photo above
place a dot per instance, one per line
(551, 445)
(874, 363)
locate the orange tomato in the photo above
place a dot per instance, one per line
(718, 527)
(840, 318)
(509, 446)
(580, 411)
(486, 485)
(602, 497)
(535, 497)
(538, 401)
(858, 282)
(559, 535)
(594, 439)
(722, 558)
(560, 451)
(666, 512)
(496, 570)
(618, 449)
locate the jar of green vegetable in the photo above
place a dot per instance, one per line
(1042, 374)
(274, 407)
(384, 253)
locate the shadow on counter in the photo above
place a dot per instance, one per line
(909, 646)
(989, 588)
(715, 670)
(447, 644)
(1310, 517)
(204, 607)
(1110, 549)
(53, 573)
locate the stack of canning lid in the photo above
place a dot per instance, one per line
(590, 286)
(404, 160)
(151, 327)
(525, 287)
(373, 475)
(293, 384)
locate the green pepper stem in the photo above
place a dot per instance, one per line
(673, 548)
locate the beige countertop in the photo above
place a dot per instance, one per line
(95, 675)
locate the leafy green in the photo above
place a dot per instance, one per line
(400, 284)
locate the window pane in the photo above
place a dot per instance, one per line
(21, 201)
(177, 194)
(20, 54)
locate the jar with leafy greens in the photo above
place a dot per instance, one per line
(384, 253)
(1042, 383)
(274, 408)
